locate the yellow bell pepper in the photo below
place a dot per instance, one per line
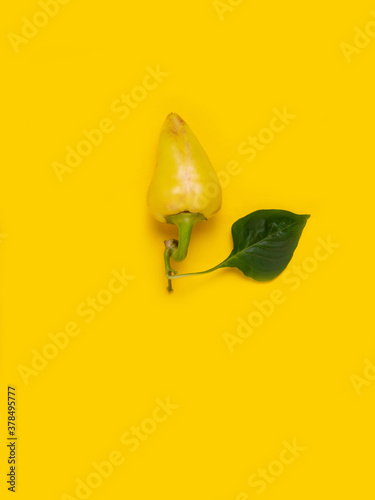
(184, 189)
(184, 179)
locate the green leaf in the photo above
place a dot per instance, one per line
(264, 242)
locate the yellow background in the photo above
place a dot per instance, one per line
(292, 379)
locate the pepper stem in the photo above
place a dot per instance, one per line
(185, 222)
(170, 245)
